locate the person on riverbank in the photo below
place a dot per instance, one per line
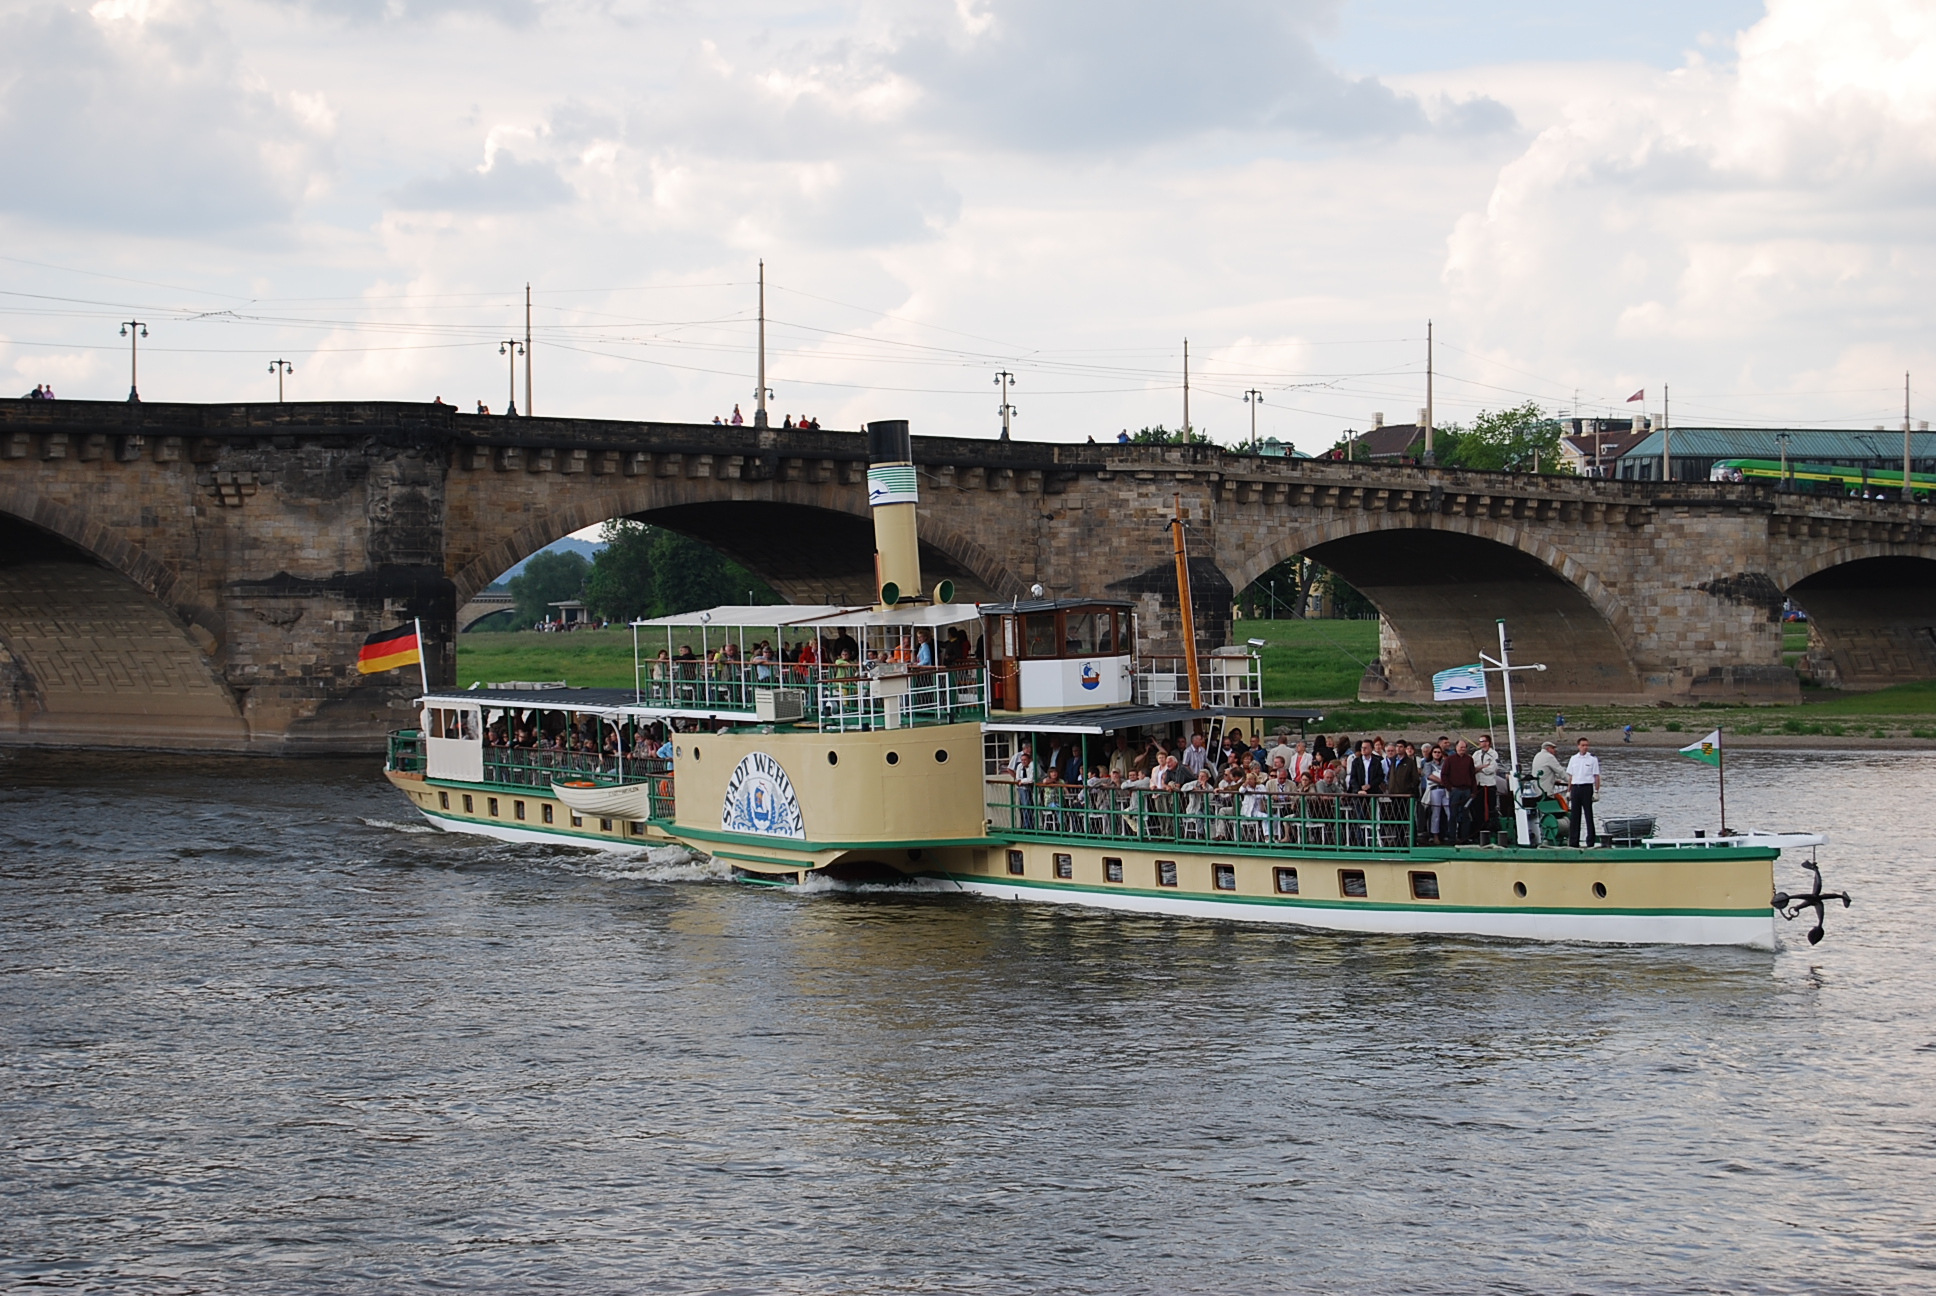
(1583, 772)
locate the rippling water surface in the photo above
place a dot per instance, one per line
(260, 1031)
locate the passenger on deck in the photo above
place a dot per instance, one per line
(923, 648)
(1122, 760)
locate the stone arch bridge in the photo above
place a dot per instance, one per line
(200, 576)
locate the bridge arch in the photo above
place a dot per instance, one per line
(1871, 612)
(1440, 587)
(93, 654)
(804, 540)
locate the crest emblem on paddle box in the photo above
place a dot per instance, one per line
(760, 799)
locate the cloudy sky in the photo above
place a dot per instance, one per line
(1586, 197)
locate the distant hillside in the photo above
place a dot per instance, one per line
(588, 549)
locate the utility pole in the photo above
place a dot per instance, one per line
(1253, 398)
(1666, 436)
(1781, 439)
(513, 348)
(140, 331)
(528, 411)
(279, 368)
(1430, 456)
(760, 393)
(1007, 411)
(1186, 391)
(1907, 493)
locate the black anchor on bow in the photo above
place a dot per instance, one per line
(1790, 907)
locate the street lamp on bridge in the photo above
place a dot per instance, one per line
(279, 368)
(134, 341)
(513, 348)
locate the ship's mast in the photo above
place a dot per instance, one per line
(1183, 601)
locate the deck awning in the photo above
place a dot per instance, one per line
(1105, 720)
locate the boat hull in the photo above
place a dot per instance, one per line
(529, 815)
(1746, 930)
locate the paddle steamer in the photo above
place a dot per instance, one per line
(876, 742)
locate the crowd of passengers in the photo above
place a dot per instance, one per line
(763, 663)
(1450, 792)
(551, 731)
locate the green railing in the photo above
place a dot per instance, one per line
(540, 767)
(840, 697)
(406, 755)
(1245, 820)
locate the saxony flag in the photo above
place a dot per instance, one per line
(389, 649)
(1707, 751)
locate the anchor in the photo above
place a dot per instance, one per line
(1790, 907)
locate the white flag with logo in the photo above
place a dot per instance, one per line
(1460, 684)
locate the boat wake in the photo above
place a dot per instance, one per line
(391, 825)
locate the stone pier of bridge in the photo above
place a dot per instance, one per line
(200, 576)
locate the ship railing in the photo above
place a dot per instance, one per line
(1223, 681)
(540, 767)
(840, 696)
(1247, 820)
(889, 696)
(663, 804)
(406, 754)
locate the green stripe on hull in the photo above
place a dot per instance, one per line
(1301, 902)
(1385, 854)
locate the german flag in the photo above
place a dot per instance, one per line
(389, 649)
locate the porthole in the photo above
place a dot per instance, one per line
(915, 854)
(1519, 889)
(1600, 890)
(941, 755)
(833, 758)
(695, 751)
(1351, 884)
(894, 758)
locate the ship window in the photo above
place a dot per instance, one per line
(546, 811)
(604, 825)
(1112, 869)
(1351, 884)
(1105, 633)
(1286, 880)
(1166, 872)
(491, 803)
(894, 758)
(636, 828)
(1039, 629)
(1065, 866)
(833, 758)
(941, 755)
(1519, 889)
(1079, 634)
(517, 808)
(1425, 886)
(695, 751)
(467, 804)
(1015, 863)
(1600, 890)
(1224, 876)
(443, 800)
(577, 821)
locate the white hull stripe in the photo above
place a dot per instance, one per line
(538, 836)
(1756, 932)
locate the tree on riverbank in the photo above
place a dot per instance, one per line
(648, 571)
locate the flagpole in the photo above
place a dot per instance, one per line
(1721, 765)
(423, 664)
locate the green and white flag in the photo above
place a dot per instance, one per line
(1707, 751)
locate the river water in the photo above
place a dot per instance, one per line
(259, 1031)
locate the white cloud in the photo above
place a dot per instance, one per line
(139, 115)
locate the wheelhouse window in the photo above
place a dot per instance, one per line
(1039, 630)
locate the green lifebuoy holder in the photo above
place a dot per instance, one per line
(944, 592)
(890, 594)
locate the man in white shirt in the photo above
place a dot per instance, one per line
(1281, 748)
(1583, 772)
(1195, 756)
